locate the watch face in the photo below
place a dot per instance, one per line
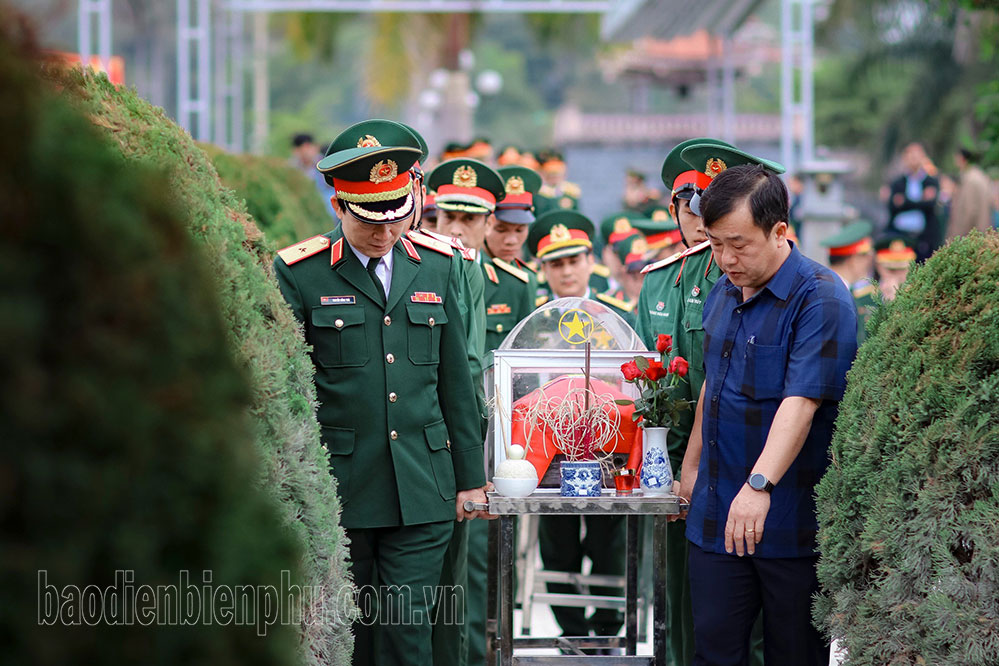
(757, 481)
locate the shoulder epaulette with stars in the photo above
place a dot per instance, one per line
(547, 191)
(616, 302)
(423, 240)
(571, 189)
(518, 273)
(601, 270)
(679, 255)
(304, 249)
(540, 300)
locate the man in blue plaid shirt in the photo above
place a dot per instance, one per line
(780, 335)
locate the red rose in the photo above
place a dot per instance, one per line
(655, 371)
(664, 343)
(679, 366)
(630, 371)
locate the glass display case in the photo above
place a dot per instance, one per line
(545, 354)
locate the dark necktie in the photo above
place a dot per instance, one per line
(372, 264)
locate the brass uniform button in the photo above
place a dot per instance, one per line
(394, 435)
(388, 320)
(449, 444)
(431, 321)
(389, 358)
(393, 397)
(338, 323)
(499, 328)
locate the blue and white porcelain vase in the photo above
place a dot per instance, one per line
(580, 478)
(657, 474)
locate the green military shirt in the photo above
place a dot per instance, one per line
(865, 297)
(672, 303)
(380, 379)
(509, 297)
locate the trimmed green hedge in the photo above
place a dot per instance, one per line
(279, 198)
(125, 421)
(909, 509)
(268, 344)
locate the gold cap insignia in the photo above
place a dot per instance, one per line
(465, 176)
(368, 141)
(714, 167)
(622, 225)
(515, 185)
(639, 246)
(560, 233)
(660, 216)
(383, 171)
(897, 246)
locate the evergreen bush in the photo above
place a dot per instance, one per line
(909, 508)
(280, 199)
(267, 342)
(124, 412)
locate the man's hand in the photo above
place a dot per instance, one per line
(475, 495)
(684, 488)
(745, 520)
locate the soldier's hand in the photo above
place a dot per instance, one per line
(475, 495)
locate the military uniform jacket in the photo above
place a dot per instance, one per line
(865, 298)
(509, 297)
(672, 303)
(397, 408)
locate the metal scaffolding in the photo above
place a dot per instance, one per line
(88, 12)
(797, 88)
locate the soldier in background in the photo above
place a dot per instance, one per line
(851, 257)
(893, 258)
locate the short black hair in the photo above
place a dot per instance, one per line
(300, 139)
(968, 155)
(765, 191)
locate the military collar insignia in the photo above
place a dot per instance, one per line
(368, 141)
(515, 185)
(714, 166)
(560, 233)
(464, 176)
(384, 171)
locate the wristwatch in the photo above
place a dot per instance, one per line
(759, 482)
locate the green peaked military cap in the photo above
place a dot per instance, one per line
(617, 226)
(368, 165)
(358, 148)
(711, 159)
(852, 239)
(659, 230)
(674, 165)
(424, 148)
(466, 185)
(560, 233)
(631, 251)
(521, 185)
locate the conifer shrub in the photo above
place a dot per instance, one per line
(283, 202)
(266, 340)
(909, 508)
(125, 419)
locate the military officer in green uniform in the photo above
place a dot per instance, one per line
(381, 318)
(509, 297)
(893, 256)
(614, 228)
(556, 193)
(662, 234)
(851, 257)
(631, 253)
(562, 242)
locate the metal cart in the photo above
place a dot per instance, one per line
(499, 630)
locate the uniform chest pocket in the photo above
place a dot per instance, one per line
(500, 323)
(337, 336)
(425, 333)
(693, 317)
(763, 377)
